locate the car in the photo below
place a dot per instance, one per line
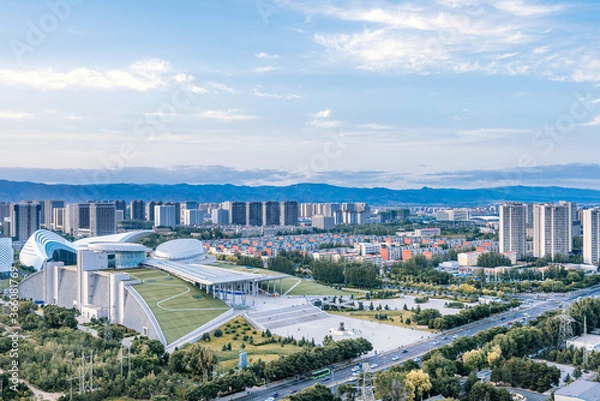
(454, 337)
(445, 338)
(373, 365)
(404, 351)
(326, 379)
(508, 323)
(293, 391)
(274, 395)
(436, 343)
(395, 358)
(270, 399)
(355, 373)
(502, 318)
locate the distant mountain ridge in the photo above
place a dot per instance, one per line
(14, 191)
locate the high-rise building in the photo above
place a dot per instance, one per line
(77, 219)
(289, 213)
(121, 205)
(306, 210)
(177, 212)
(150, 210)
(254, 214)
(103, 219)
(137, 210)
(4, 211)
(58, 219)
(6, 256)
(591, 235)
(24, 220)
(322, 222)
(220, 217)
(513, 228)
(551, 230)
(237, 212)
(193, 217)
(271, 213)
(189, 205)
(48, 211)
(165, 215)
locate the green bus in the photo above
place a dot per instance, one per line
(321, 373)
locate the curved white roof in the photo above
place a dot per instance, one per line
(180, 249)
(118, 247)
(131, 236)
(41, 247)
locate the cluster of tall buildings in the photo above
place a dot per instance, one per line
(325, 216)
(550, 228)
(89, 219)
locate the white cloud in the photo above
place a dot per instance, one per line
(15, 115)
(499, 37)
(267, 68)
(140, 76)
(323, 114)
(225, 115)
(593, 123)
(326, 123)
(221, 87)
(264, 55)
(376, 127)
(523, 8)
(489, 133)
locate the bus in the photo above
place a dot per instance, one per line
(321, 373)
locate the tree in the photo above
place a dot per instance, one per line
(318, 392)
(201, 361)
(492, 259)
(494, 355)
(473, 359)
(420, 380)
(487, 392)
(348, 390)
(393, 386)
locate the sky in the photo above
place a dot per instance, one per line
(398, 94)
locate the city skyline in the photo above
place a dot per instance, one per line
(398, 95)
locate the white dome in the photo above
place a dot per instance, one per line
(183, 250)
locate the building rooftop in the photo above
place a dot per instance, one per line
(581, 389)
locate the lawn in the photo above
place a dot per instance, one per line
(395, 317)
(178, 306)
(233, 333)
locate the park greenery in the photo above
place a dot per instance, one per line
(51, 350)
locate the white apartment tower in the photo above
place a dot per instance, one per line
(513, 228)
(551, 230)
(165, 216)
(591, 236)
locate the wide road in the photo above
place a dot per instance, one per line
(343, 373)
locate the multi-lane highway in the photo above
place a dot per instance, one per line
(533, 306)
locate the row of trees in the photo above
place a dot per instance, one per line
(469, 315)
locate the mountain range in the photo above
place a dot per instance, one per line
(14, 191)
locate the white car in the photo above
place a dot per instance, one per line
(373, 365)
(355, 373)
(395, 358)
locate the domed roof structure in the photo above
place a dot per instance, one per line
(181, 250)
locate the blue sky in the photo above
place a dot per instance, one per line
(446, 93)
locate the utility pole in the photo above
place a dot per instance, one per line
(82, 377)
(92, 371)
(585, 350)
